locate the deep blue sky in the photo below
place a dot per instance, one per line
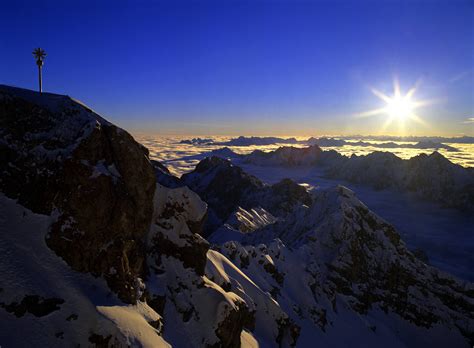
(256, 67)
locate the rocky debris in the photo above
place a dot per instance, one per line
(58, 157)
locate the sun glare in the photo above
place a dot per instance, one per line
(398, 107)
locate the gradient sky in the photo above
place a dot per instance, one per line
(253, 68)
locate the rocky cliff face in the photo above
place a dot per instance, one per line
(59, 157)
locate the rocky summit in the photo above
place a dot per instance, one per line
(101, 247)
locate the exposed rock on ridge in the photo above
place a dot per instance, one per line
(59, 157)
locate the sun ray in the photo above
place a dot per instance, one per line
(370, 113)
(386, 124)
(412, 90)
(396, 87)
(418, 119)
(381, 95)
(418, 103)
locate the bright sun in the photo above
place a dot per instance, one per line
(398, 107)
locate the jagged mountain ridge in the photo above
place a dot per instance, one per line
(329, 238)
(155, 281)
(226, 188)
(421, 143)
(432, 177)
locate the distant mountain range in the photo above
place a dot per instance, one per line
(422, 142)
(432, 176)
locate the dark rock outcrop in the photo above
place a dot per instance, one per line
(58, 157)
(34, 304)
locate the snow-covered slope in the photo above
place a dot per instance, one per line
(335, 267)
(44, 303)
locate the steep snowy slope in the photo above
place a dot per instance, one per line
(44, 303)
(335, 266)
